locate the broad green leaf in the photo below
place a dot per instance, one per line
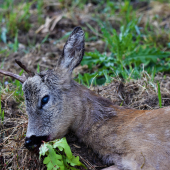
(63, 143)
(49, 164)
(46, 160)
(53, 160)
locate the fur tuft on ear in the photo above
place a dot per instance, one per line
(73, 50)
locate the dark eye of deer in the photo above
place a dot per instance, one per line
(44, 100)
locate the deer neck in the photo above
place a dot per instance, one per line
(96, 118)
(89, 110)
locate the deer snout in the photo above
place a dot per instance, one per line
(34, 142)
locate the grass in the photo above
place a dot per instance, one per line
(159, 95)
(127, 55)
(15, 18)
(18, 93)
(128, 49)
(40, 5)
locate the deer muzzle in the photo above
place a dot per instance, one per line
(34, 142)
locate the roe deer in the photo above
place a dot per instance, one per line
(125, 138)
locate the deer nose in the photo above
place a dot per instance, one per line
(34, 142)
(29, 142)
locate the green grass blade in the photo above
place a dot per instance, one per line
(159, 95)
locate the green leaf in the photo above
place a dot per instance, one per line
(50, 165)
(43, 149)
(56, 161)
(63, 144)
(53, 160)
(46, 160)
(53, 156)
(75, 161)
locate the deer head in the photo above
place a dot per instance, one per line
(46, 93)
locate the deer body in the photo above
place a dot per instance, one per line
(128, 138)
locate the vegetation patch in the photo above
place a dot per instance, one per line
(55, 159)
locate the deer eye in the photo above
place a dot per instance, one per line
(44, 100)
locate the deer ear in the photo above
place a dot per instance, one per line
(73, 50)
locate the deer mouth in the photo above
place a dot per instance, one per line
(34, 142)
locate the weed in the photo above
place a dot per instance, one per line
(59, 155)
(40, 4)
(16, 18)
(111, 7)
(126, 11)
(14, 46)
(127, 56)
(38, 68)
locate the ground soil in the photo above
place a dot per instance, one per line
(139, 94)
